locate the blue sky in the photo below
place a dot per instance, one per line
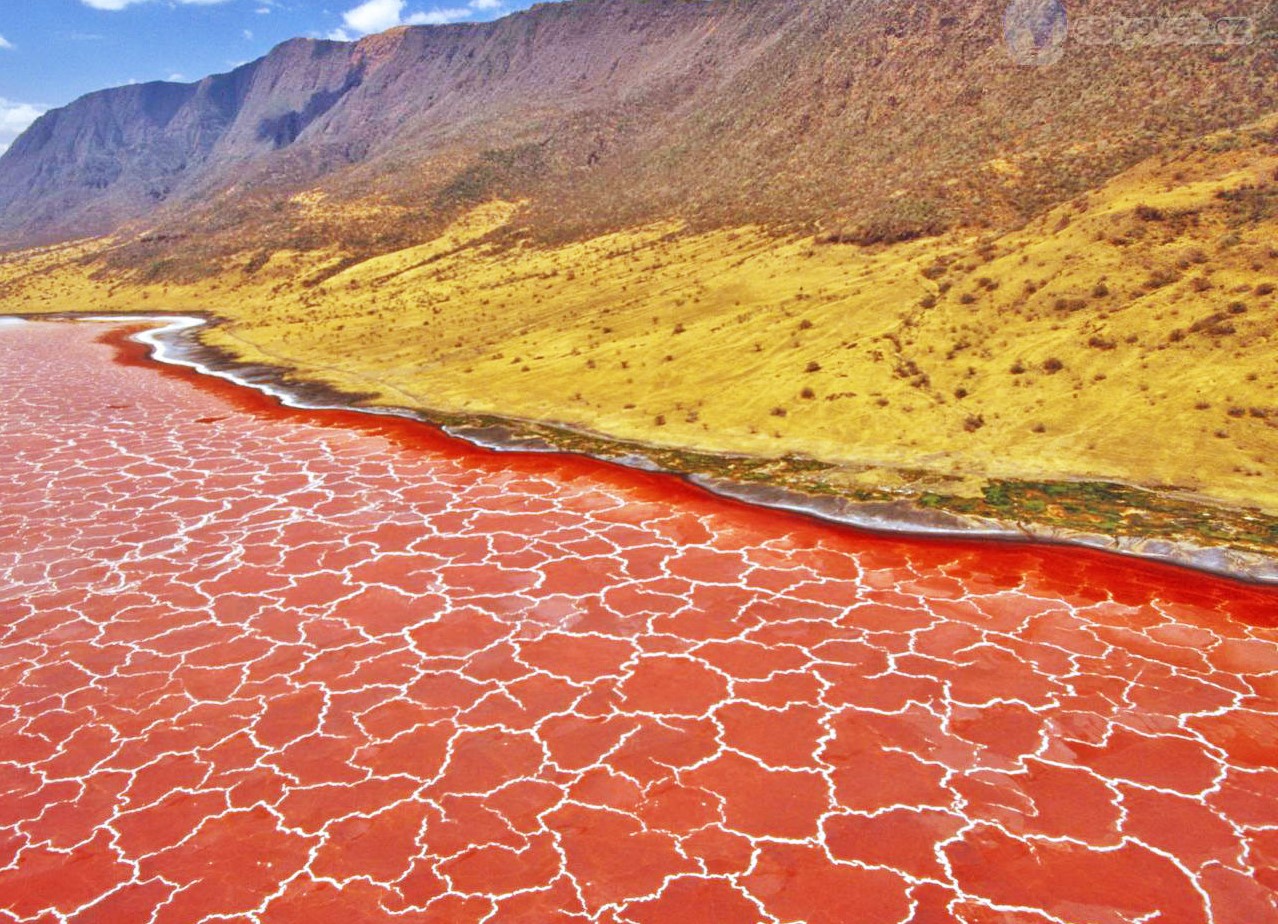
(52, 51)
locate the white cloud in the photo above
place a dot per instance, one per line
(14, 119)
(373, 16)
(439, 17)
(380, 15)
(5, 43)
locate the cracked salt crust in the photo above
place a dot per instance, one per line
(264, 665)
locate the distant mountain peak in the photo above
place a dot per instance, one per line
(876, 120)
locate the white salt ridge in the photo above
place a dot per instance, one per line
(169, 344)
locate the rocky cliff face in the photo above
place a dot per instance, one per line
(875, 120)
(118, 154)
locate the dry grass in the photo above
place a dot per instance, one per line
(1129, 335)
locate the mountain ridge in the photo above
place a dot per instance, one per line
(869, 120)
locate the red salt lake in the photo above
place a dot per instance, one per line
(270, 665)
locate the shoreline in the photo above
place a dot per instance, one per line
(171, 339)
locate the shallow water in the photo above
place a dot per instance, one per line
(281, 665)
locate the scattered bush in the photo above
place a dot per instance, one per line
(1249, 204)
(1215, 325)
(903, 220)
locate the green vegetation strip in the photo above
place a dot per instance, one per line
(1084, 507)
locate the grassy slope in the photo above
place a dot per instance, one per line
(1130, 335)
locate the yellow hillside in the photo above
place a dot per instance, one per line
(1131, 335)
